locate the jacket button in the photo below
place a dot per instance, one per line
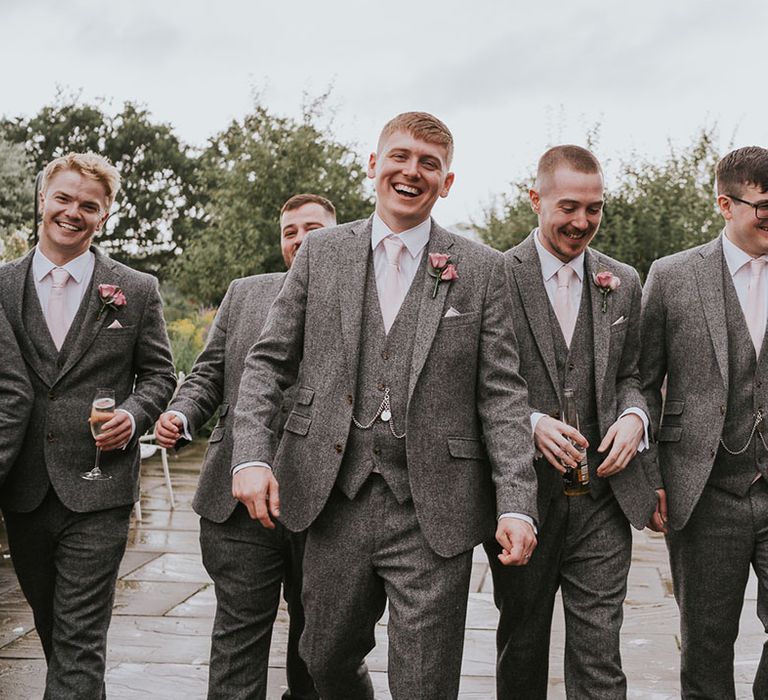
(284, 409)
(385, 355)
(722, 410)
(50, 437)
(571, 366)
(349, 399)
(712, 453)
(380, 386)
(377, 450)
(338, 447)
(52, 396)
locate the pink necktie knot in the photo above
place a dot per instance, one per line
(60, 277)
(393, 247)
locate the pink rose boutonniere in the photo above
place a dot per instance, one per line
(111, 296)
(442, 269)
(606, 282)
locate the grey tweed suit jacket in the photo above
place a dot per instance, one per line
(15, 398)
(134, 360)
(617, 349)
(468, 441)
(685, 339)
(214, 383)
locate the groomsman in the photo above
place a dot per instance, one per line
(409, 434)
(576, 315)
(82, 322)
(15, 398)
(247, 561)
(703, 324)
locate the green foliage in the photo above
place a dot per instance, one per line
(655, 210)
(157, 207)
(16, 193)
(188, 337)
(248, 171)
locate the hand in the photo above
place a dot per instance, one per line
(257, 489)
(115, 432)
(517, 539)
(625, 436)
(168, 430)
(553, 439)
(658, 521)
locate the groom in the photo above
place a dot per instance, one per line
(409, 434)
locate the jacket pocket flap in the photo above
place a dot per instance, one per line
(304, 395)
(298, 424)
(466, 448)
(217, 434)
(670, 433)
(673, 407)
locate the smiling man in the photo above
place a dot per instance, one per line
(574, 334)
(409, 435)
(704, 317)
(67, 535)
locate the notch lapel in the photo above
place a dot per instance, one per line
(350, 283)
(601, 322)
(535, 304)
(104, 272)
(709, 276)
(430, 310)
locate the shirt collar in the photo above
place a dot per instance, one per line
(414, 238)
(735, 257)
(77, 268)
(550, 264)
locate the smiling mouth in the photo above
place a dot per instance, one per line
(406, 190)
(68, 227)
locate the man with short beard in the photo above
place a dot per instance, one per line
(247, 561)
(576, 314)
(703, 325)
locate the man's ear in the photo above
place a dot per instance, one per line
(724, 204)
(449, 179)
(535, 198)
(372, 166)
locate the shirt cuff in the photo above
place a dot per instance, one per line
(245, 465)
(639, 412)
(184, 424)
(535, 418)
(520, 516)
(133, 425)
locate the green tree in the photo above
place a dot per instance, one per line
(248, 171)
(16, 196)
(655, 209)
(158, 205)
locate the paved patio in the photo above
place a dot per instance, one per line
(158, 641)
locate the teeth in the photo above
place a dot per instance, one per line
(67, 226)
(406, 189)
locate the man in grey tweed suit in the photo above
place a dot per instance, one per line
(15, 398)
(409, 434)
(593, 348)
(703, 324)
(67, 535)
(247, 561)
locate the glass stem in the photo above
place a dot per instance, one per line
(96, 469)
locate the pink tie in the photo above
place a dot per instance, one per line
(58, 323)
(755, 310)
(564, 310)
(392, 292)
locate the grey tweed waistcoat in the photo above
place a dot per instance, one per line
(384, 361)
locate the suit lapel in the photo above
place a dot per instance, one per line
(431, 309)
(709, 275)
(601, 321)
(535, 304)
(350, 283)
(104, 272)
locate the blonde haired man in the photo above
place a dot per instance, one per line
(67, 535)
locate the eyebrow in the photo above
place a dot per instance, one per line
(579, 203)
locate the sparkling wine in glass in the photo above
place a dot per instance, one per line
(102, 410)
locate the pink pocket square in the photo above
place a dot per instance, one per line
(115, 324)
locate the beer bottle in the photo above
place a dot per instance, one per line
(575, 479)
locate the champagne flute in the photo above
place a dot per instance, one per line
(102, 410)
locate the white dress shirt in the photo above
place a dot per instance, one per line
(738, 265)
(549, 267)
(80, 271)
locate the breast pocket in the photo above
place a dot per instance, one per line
(466, 319)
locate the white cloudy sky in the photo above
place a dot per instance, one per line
(509, 78)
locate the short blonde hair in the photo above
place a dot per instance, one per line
(422, 126)
(90, 165)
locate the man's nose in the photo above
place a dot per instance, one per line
(580, 222)
(411, 168)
